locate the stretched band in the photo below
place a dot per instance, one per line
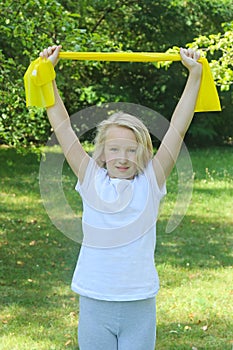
(120, 56)
(39, 76)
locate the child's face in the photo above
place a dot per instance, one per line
(120, 150)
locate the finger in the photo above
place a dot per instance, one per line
(194, 54)
(58, 47)
(190, 53)
(183, 53)
(197, 55)
(49, 50)
(54, 47)
(187, 53)
(44, 53)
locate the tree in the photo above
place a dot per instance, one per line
(157, 26)
(107, 25)
(27, 27)
(219, 51)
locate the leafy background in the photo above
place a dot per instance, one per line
(29, 26)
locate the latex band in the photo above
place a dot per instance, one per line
(39, 76)
(120, 56)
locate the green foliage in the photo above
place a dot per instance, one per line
(29, 26)
(18, 126)
(219, 50)
(157, 26)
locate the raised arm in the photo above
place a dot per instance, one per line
(169, 149)
(59, 119)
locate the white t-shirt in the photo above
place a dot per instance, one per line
(116, 260)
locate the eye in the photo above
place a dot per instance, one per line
(132, 150)
(113, 149)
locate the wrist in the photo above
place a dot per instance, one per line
(196, 70)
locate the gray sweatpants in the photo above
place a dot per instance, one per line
(116, 325)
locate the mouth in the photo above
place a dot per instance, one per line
(122, 168)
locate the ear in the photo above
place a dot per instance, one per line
(103, 158)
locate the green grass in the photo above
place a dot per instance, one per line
(194, 305)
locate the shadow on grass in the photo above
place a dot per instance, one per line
(37, 261)
(190, 336)
(197, 243)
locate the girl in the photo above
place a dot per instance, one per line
(121, 187)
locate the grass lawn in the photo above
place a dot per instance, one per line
(38, 311)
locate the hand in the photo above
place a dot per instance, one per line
(189, 58)
(51, 53)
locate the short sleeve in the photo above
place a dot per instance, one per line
(91, 171)
(150, 174)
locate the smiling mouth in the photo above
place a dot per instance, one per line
(122, 168)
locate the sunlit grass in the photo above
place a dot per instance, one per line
(194, 305)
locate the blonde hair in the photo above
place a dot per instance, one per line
(144, 149)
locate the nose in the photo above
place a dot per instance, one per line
(122, 161)
(123, 157)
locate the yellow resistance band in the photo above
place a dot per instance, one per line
(120, 56)
(40, 74)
